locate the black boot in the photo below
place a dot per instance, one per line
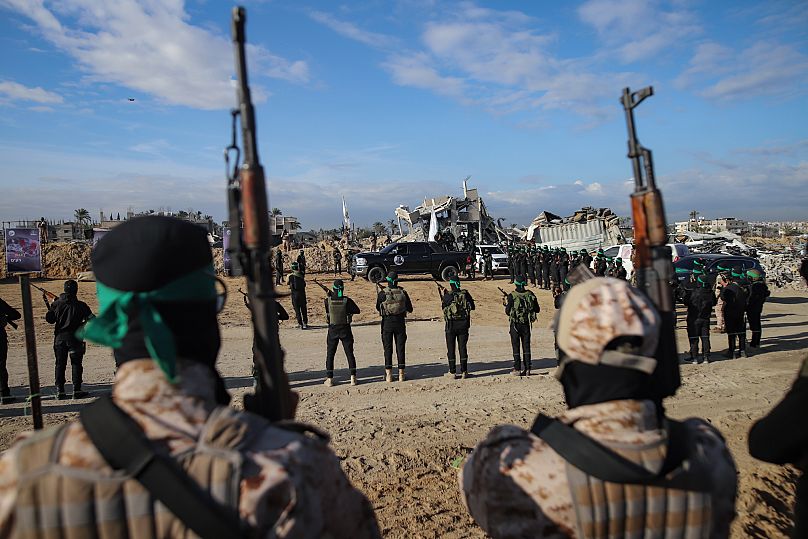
(78, 370)
(464, 368)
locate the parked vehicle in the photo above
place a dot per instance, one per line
(684, 266)
(499, 260)
(410, 258)
(624, 251)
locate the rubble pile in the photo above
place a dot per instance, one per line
(319, 258)
(782, 271)
(61, 260)
(464, 215)
(588, 228)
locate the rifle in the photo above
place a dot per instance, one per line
(441, 290)
(245, 298)
(250, 246)
(47, 296)
(325, 288)
(653, 266)
(4, 320)
(504, 296)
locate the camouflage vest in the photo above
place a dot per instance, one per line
(604, 509)
(395, 302)
(338, 311)
(459, 308)
(60, 502)
(523, 309)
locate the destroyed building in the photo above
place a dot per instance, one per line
(588, 228)
(462, 216)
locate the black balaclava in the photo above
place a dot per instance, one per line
(585, 383)
(71, 287)
(145, 254)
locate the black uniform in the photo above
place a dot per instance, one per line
(278, 267)
(488, 266)
(734, 308)
(758, 292)
(600, 266)
(7, 314)
(68, 314)
(337, 262)
(394, 328)
(457, 331)
(301, 262)
(520, 335)
(531, 268)
(587, 260)
(553, 270)
(340, 332)
(545, 269)
(297, 284)
(563, 268)
(511, 263)
(700, 302)
(778, 438)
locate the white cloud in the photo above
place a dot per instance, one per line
(14, 91)
(638, 29)
(352, 31)
(150, 46)
(415, 71)
(763, 69)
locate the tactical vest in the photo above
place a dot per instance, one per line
(338, 311)
(604, 509)
(395, 302)
(523, 311)
(60, 502)
(459, 308)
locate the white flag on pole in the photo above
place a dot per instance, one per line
(345, 217)
(433, 225)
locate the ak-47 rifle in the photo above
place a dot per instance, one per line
(324, 287)
(441, 290)
(652, 264)
(46, 295)
(504, 295)
(250, 247)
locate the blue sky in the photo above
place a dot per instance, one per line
(388, 102)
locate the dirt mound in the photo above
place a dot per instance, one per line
(61, 260)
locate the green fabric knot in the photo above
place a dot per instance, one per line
(111, 325)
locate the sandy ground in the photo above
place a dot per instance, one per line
(400, 442)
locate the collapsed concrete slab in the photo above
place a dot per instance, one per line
(466, 215)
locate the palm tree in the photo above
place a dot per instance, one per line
(392, 223)
(276, 211)
(378, 227)
(82, 216)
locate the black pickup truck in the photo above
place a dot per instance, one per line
(410, 258)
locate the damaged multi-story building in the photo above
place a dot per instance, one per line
(462, 216)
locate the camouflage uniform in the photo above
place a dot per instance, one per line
(515, 485)
(285, 482)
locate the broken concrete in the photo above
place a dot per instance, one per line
(466, 215)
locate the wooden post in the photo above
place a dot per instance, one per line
(30, 347)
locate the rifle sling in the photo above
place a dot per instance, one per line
(597, 460)
(124, 446)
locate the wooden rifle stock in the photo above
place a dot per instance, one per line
(652, 259)
(247, 197)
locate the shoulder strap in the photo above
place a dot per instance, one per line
(123, 446)
(599, 461)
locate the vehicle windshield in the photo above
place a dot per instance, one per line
(684, 264)
(389, 248)
(493, 249)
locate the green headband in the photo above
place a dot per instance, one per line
(454, 282)
(389, 280)
(520, 283)
(112, 323)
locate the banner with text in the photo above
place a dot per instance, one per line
(23, 250)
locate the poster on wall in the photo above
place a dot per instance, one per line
(23, 250)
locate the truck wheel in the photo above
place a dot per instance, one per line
(448, 273)
(376, 274)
